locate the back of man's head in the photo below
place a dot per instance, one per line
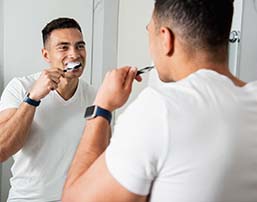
(59, 23)
(201, 24)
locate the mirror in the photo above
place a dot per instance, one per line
(112, 32)
(21, 23)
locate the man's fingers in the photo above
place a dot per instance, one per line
(130, 77)
(56, 72)
(52, 86)
(54, 75)
(55, 79)
(138, 78)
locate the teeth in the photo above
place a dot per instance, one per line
(71, 65)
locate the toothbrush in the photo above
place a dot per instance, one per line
(144, 70)
(72, 66)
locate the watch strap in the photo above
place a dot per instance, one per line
(94, 111)
(104, 113)
(30, 101)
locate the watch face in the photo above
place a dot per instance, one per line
(90, 111)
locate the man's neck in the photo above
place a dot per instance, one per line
(184, 66)
(67, 87)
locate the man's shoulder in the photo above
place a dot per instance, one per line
(149, 101)
(149, 95)
(21, 84)
(30, 77)
(25, 80)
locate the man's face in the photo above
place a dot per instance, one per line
(160, 45)
(154, 43)
(152, 38)
(63, 46)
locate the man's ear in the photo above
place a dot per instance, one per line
(45, 55)
(167, 37)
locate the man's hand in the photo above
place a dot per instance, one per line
(48, 80)
(116, 88)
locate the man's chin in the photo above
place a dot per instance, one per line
(73, 74)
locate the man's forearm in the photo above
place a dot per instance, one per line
(14, 130)
(93, 143)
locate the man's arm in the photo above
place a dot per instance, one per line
(90, 148)
(15, 123)
(88, 177)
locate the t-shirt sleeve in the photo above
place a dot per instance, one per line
(12, 95)
(138, 146)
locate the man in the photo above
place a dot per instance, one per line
(190, 139)
(42, 136)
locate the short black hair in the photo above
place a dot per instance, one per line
(202, 24)
(59, 23)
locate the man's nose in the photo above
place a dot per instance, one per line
(74, 53)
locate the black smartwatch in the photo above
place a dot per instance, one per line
(30, 101)
(94, 111)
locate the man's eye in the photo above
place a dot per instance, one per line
(81, 46)
(62, 47)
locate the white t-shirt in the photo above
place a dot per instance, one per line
(194, 140)
(40, 167)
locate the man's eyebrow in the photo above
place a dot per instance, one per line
(67, 43)
(62, 43)
(81, 42)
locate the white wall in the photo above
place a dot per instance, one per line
(248, 49)
(243, 54)
(1, 73)
(104, 38)
(134, 15)
(23, 22)
(236, 23)
(1, 48)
